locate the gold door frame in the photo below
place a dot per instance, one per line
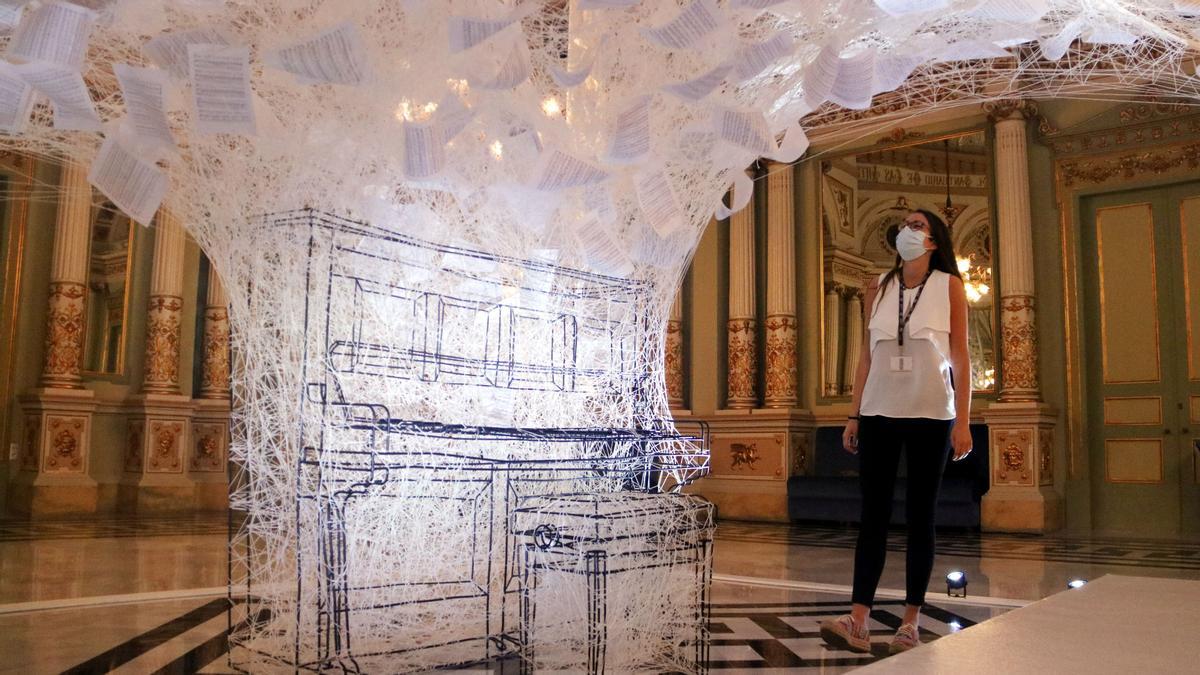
(1077, 177)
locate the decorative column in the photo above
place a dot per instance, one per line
(673, 353)
(210, 427)
(155, 465)
(854, 337)
(742, 326)
(1021, 428)
(166, 307)
(833, 337)
(58, 415)
(781, 288)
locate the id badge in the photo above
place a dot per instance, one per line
(902, 364)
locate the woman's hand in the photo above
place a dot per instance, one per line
(960, 438)
(850, 437)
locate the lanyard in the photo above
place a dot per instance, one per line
(902, 315)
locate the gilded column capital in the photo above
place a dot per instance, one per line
(1011, 109)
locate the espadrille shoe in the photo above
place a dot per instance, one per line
(906, 638)
(841, 633)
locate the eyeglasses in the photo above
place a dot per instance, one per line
(914, 224)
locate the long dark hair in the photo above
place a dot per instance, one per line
(943, 257)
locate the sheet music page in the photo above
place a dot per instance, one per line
(221, 93)
(970, 49)
(335, 56)
(56, 32)
(743, 189)
(466, 32)
(10, 14)
(452, 116)
(747, 130)
(659, 204)
(607, 4)
(558, 171)
(1017, 11)
(169, 51)
(893, 69)
(1113, 35)
(753, 59)
(424, 149)
(16, 100)
(135, 186)
(631, 133)
(699, 88)
(568, 79)
(794, 143)
(73, 107)
(855, 82)
(513, 71)
(599, 199)
(902, 7)
(145, 91)
(694, 22)
(603, 250)
(820, 76)
(756, 4)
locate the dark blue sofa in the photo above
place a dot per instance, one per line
(831, 493)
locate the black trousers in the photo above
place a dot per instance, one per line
(927, 449)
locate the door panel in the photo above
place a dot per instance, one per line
(1135, 366)
(1188, 213)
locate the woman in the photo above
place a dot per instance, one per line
(912, 389)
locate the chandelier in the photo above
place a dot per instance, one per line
(977, 279)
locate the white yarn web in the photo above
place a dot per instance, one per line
(569, 146)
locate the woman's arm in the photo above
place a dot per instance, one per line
(960, 361)
(850, 435)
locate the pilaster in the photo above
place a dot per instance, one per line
(742, 325)
(781, 380)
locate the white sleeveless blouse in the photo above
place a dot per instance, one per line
(927, 390)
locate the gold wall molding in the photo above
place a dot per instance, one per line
(1131, 165)
(214, 381)
(163, 319)
(743, 362)
(781, 360)
(1131, 134)
(64, 334)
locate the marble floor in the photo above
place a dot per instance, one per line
(145, 595)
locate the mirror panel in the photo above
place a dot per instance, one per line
(864, 197)
(110, 261)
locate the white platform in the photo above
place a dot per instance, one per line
(1115, 624)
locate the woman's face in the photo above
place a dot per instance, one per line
(917, 221)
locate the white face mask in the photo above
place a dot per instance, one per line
(910, 244)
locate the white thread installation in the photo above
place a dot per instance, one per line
(501, 223)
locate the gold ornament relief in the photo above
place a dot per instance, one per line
(162, 341)
(209, 450)
(215, 375)
(64, 331)
(1015, 449)
(743, 362)
(1045, 456)
(781, 359)
(1020, 346)
(65, 451)
(743, 455)
(674, 363)
(164, 447)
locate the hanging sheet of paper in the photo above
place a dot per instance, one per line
(557, 170)
(757, 5)
(820, 76)
(902, 7)
(568, 79)
(424, 149)
(891, 70)
(452, 116)
(73, 107)
(742, 189)
(16, 100)
(793, 145)
(631, 133)
(55, 33)
(607, 4)
(603, 250)
(699, 88)
(169, 51)
(658, 202)
(221, 95)
(334, 56)
(137, 187)
(514, 70)
(1053, 48)
(598, 199)
(744, 129)
(1112, 35)
(145, 94)
(1016, 11)
(964, 50)
(855, 82)
(688, 27)
(466, 32)
(754, 59)
(10, 14)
